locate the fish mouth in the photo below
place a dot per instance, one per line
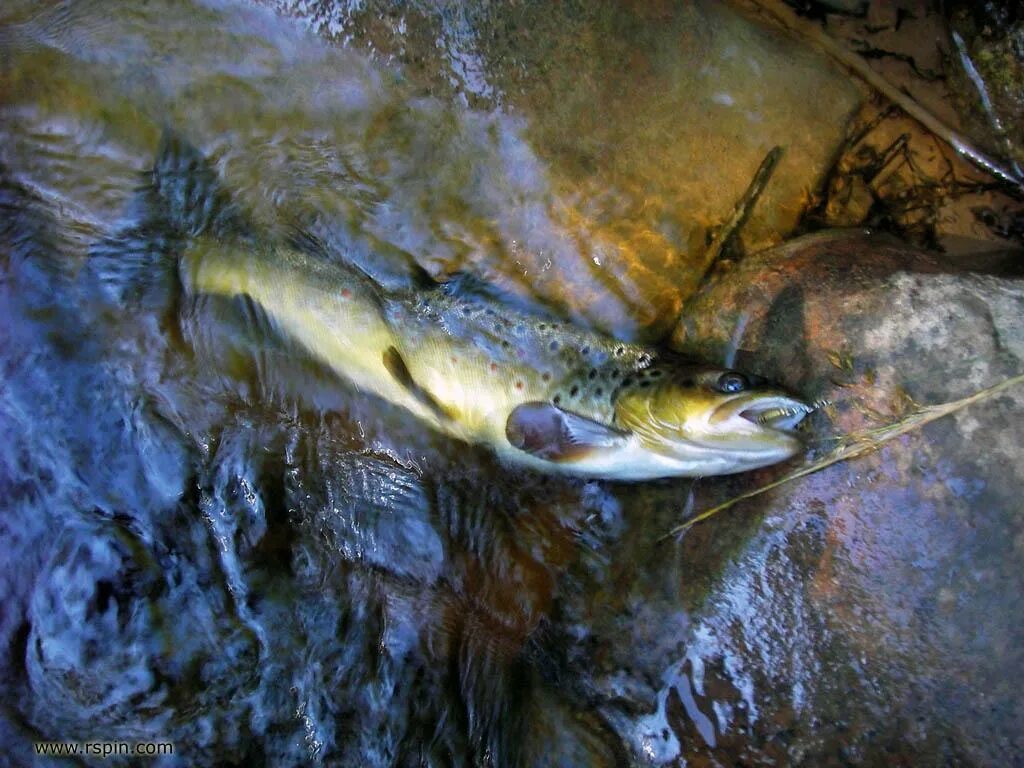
(761, 413)
(744, 432)
(776, 412)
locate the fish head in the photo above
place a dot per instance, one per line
(720, 421)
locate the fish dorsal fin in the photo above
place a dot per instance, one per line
(303, 239)
(548, 432)
(383, 267)
(396, 366)
(468, 287)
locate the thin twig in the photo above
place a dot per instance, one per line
(741, 211)
(856, 64)
(859, 444)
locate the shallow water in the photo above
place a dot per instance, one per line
(212, 542)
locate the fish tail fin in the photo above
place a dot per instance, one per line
(181, 197)
(183, 191)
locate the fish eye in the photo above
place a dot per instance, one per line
(731, 382)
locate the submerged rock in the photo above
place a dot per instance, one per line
(577, 155)
(868, 613)
(643, 125)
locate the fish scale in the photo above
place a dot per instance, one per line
(517, 357)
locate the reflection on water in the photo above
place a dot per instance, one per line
(209, 541)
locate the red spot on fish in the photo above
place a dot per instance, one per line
(494, 367)
(519, 385)
(346, 293)
(454, 359)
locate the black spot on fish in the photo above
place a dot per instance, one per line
(620, 351)
(627, 381)
(656, 374)
(593, 374)
(506, 344)
(585, 351)
(574, 391)
(598, 392)
(557, 399)
(553, 346)
(546, 376)
(542, 327)
(645, 383)
(615, 374)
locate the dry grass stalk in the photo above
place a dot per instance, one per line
(859, 444)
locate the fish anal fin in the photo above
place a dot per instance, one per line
(396, 366)
(548, 432)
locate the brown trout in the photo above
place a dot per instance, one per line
(541, 393)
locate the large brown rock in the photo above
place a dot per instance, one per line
(867, 614)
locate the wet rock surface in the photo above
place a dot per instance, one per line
(894, 175)
(901, 569)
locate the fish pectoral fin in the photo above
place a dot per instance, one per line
(547, 432)
(395, 365)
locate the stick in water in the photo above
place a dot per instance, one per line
(743, 208)
(856, 64)
(859, 444)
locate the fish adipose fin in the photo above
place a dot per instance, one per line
(547, 432)
(395, 365)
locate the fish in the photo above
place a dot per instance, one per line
(541, 392)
